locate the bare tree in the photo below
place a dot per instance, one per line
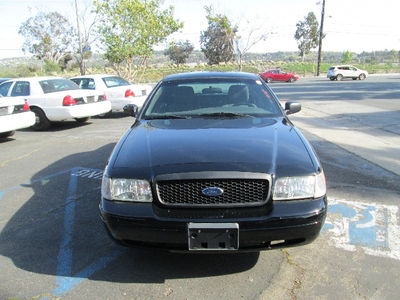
(87, 19)
(243, 43)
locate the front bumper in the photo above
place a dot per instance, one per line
(282, 224)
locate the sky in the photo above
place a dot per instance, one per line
(349, 25)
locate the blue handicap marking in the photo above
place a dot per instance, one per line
(65, 279)
(373, 227)
(367, 232)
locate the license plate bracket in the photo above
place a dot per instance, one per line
(213, 236)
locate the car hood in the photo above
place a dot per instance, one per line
(265, 145)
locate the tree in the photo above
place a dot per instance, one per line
(179, 52)
(48, 36)
(243, 43)
(307, 34)
(130, 29)
(217, 41)
(87, 36)
(347, 57)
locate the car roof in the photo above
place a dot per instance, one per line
(37, 78)
(343, 66)
(211, 74)
(96, 76)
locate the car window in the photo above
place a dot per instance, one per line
(57, 85)
(208, 96)
(85, 83)
(4, 87)
(21, 88)
(114, 81)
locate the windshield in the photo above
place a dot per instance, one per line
(114, 81)
(214, 97)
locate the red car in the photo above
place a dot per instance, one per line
(278, 75)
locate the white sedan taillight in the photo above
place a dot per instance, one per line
(26, 106)
(68, 101)
(129, 93)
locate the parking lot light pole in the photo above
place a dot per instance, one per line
(321, 35)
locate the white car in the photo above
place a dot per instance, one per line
(346, 71)
(56, 99)
(14, 114)
(118, 90)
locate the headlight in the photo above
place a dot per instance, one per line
(289, 188)
(122, 189)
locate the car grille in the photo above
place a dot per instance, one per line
(236, 192)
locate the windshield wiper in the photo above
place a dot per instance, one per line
(226, 114)
(163, 117)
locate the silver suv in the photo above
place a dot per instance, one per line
(346, 71)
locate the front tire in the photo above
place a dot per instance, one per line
(41, 123)
(292, 79)
(361, 77)
(268, 80)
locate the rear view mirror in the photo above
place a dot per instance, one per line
(292, 107)
(131, 110)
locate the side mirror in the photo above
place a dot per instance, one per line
(292, 107)
(131, 110)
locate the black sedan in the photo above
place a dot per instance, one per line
(212, 163)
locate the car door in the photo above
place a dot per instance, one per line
(354, 72)
(346, 71)
(20, 89)
(277, 75)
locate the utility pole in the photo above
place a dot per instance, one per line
(321, 35)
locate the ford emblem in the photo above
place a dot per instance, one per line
(212, 191)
